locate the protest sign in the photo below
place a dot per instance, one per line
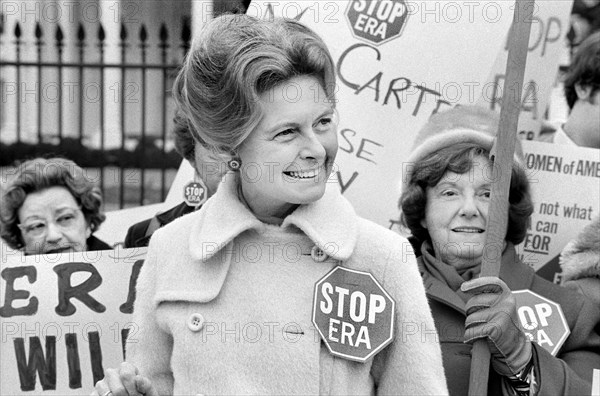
(64, 319)
(565, 184)
(542, 320)
(353, 314)
(432, 55)
(549, 27)
(195, 193)
(377, 21)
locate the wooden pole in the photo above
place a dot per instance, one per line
(503, 153)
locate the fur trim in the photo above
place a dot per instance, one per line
(581, 257)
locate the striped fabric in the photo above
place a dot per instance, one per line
(524, 384)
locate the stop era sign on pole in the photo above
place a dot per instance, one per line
(377, 21)
(542, 320)
(353, 314)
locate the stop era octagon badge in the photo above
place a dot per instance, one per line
(353, 314)
(375, 21)
(195, 193)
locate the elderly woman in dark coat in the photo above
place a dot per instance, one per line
(445, 203)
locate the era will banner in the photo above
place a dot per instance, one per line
(64, 319)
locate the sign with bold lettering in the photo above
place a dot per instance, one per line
(195, 193)
(397, 62)
(542, 320)
(377, 21)
(65, 318)
(549, 27)
(353, 314)
(386, 92)
(565, 187)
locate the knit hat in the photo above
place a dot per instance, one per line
(461, 124)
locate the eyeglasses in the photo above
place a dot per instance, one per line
(66, 220)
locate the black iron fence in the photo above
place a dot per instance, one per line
(112, 116)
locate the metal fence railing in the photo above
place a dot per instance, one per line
(109, 114)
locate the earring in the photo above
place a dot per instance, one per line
(234, 164)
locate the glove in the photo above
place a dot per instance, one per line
(492, 314)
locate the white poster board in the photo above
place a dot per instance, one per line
(549, 27)
(397, 62)
(63, 319)
(565, 185)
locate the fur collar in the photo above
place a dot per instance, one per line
(581, 257)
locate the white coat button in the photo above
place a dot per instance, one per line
(195, 322)
(318, 254)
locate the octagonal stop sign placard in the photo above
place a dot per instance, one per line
(542, 320)
(195, 193)
(353, 314)
(377, 21)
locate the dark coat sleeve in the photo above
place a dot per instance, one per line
(94, 243)
(570, 372)
(136, 235)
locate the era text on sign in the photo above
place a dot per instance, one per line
(195, 193)
(377, 21)
(542, 320)
(353, 314)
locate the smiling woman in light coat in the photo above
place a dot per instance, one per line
(224, 300)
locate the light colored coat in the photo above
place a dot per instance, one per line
(251, 287)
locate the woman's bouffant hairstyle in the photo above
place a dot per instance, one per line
(183, 137)
(458, 158)
(37, 175)
(232, 61)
